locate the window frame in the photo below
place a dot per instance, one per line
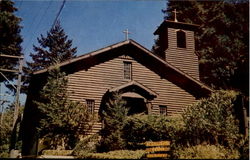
(90, 105)
(165, 110)
(129, 75)
(181, 39)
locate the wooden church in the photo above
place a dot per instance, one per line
(163, 83)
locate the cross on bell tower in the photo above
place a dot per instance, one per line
(175, 16)
(126, 32)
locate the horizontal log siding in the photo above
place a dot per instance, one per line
(97, 126)
(175, 98)
(183, 58)
(93, 84)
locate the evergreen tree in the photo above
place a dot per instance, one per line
(5, 132)
(62, 121)
(114, 116)
(222, 40)
(10, 38)
(55, 46)
(7, 136)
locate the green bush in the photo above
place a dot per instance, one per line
(57, 152)
(86, 145)
(118, 154)
(244, 148)
(4, 151)
(205, 152)
(212, 120)
(140, 128)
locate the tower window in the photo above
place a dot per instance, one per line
(90, 105)
(181, 39)
(127, 70)
(163, 110)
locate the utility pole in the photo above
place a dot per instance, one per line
(18, 88)
(17, 103)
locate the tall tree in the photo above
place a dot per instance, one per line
(10, 38)
(61, 120)
(222, 40)
(114, 115)
(54, 47)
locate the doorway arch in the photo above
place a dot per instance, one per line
(137, 96)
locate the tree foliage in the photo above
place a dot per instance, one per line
(10, 38)
(54, 47)
(62, 121)
(6, 131)
(222, 39)
(114, 116)
(212, 120)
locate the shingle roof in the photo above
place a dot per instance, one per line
(184, 78)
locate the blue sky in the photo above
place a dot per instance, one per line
(91, 24)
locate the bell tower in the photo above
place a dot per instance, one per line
(177, 46)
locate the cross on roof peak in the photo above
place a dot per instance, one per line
(126, 32)
(175, 16)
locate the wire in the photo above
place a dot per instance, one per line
(58, 14)
(20, 4)
(30, 28)
(8, 80)
(42, 17)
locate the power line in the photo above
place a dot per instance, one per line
(30, 29)
(58, 14)
(20, 4)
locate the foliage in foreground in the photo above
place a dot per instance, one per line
(117, 154)
(86, 145)
(140, 128)
(5, 132)
(57, 152)
(8, 139)
(205, 152)
(61, 120)
(201, 132)
(114, 117)
(212, 120)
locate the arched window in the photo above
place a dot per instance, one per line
(181, 39)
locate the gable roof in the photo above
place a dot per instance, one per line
(135, 84)
(163, 68)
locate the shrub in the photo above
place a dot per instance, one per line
(205, 152)
(118, 154)
(86, 145)
(57, 152)
(244, 148)
(212, 120)
(4, 151)
(140, 128)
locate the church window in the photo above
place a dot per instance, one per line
(127, 70)
(90, 105)
(181, 39)
(163, 110)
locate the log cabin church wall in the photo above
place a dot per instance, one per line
(93, 83)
